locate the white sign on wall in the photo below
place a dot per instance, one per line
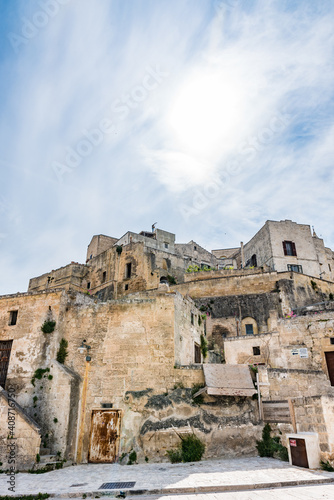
(303, 353)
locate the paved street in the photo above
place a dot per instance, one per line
(163, 479)
(323, 491)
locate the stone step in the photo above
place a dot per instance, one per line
(47, 459)
(44, 451)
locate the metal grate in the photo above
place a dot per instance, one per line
(116, 486)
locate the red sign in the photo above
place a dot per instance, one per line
(293, 442)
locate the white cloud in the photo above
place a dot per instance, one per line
(252, 85)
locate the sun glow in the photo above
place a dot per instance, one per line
(206, 113)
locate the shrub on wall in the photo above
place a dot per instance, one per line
(62, 352)
(48, 326)
(191, 449)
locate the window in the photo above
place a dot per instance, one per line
(13, 318)
(126, 287)
(195, 247)
(256, 351)
(253, 261)
(88, 285)
(104, 276)
(192, 318)
(289, 248)
(294, 268)
(166, 245)
(128, 270)
(332, 340)
(249, 329)
(197, 353)
(329, 267)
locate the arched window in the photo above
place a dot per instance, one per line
(249, 326)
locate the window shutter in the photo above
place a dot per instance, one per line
(294, 253)
(284, 248)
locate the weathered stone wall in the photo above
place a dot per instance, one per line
(261, 246)
(285, 383)
(20, 452)
(99, 244)
(70, 276)
(316, 414)
(228, 426)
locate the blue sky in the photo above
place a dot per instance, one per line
(209, 117)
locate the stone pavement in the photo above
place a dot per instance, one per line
(166, 479)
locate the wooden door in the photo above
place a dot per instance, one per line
(330, 365)
(298, 452)
(5, 349)
(104, 436)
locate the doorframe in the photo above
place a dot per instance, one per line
(98, 408)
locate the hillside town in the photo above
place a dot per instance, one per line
(150, 340)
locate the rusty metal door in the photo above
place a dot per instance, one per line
(104, 436)
(5, 349)
(298, 452)
(330, 365)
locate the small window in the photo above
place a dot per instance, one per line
(166, 245)
(329, 267)
(195, 247)
(126, 287)
(332, 340)
(253, 261)
(295, 268)
(104, 276)
(88, 285)
(106, 405)
(128, 270)
(249, 329)
(289, 248)
(13, 318)
(256, 351)
(197, 353)
(192, 318)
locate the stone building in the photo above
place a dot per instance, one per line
(125, 337)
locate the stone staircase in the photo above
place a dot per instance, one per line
(49, 461)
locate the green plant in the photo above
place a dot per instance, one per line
(171, 279)
(62, 352)
(254, 368)
(55, 420)
(35, 398)
(269, 446)
(132, 457)
(326, 466)
(314, 285)
(38, 458)
(178, 385)
(175, 456)
(84, 495)
(39, 374)
(204, 346)
(50, 377)
(191, 449)
(146, 459)
(265, 446)
(119, 249)
(48, 326)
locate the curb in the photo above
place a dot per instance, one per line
(198, 489)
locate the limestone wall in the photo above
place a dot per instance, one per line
(19, 435)
(228, 426)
